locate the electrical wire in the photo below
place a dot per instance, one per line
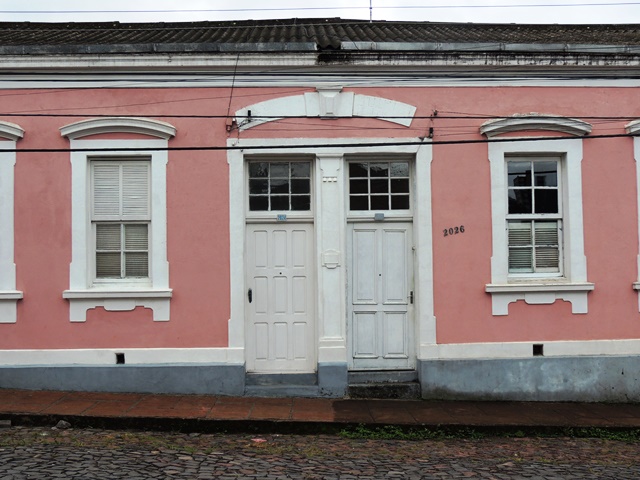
(311, 146)
(281, 9)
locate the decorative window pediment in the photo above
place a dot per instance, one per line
(96, 126)
(11, 131)
(535, 121)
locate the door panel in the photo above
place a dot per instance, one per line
(281, 312)
(380, 281)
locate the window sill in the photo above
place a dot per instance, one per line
(8, 307)
(118, 300)
(539, 293)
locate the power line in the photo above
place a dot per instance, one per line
(398, 143)
(288, 9)
(298, 117)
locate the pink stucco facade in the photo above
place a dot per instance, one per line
(198, 240)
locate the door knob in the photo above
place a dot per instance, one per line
(250, 295)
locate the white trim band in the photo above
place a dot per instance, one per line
(133, 356)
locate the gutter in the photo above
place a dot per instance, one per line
(345, 46)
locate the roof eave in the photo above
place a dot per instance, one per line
(345, 46)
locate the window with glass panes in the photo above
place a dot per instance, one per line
(120, 217)
(282, 186)
(534, 219)
(379, 186)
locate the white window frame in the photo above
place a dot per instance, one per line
(633, 128)
(146, 220)
(572, 286)
(10, 133)
(84, 293)
(538, 217)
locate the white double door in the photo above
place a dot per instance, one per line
(280, 279)
(282, 295)
(380, 296)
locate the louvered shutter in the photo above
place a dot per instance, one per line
(135, 191)
(547, 246)
(136, 257)
(106, 191)
(520, 247)
(108, 248)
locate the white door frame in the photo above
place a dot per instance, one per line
(330, 237)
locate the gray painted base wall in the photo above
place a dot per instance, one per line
(575, 379)
(213, 379)
(580, 379)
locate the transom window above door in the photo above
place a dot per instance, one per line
(379, 186)
(279, 186)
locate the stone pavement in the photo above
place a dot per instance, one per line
(299, 415)
(29, 453)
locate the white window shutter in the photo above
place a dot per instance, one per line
(135, 191)
(106, 191)
(547, 245)
(520, 247)
(136, 257)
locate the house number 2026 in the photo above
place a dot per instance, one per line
(453, 230)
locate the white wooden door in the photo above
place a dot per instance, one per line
(280, 298)
(380, 296)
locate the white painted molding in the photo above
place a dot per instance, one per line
(632, 128)
(489, 351)
(326, 102)
(331, 305)
(11, 131)
(573, 287)
(134, 356)
(9, 296)
(155, 293)
(118, 301)
(95, 126)
(405, 76)
(8, 306)
(539, 294)
(535, 121)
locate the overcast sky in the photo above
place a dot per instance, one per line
(515, 11)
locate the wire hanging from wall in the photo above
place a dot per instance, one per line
(230, 121)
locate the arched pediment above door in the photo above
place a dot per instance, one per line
(330, 102)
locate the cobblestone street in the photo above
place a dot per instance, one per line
(34, 453)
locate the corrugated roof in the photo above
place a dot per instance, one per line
(328, 33)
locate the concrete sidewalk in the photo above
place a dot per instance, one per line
(299, 415)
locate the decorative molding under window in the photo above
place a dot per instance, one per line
(9, 296)
(535, 121)
(83, 292)
(539, 294)
(326, 103)
(118, 301)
